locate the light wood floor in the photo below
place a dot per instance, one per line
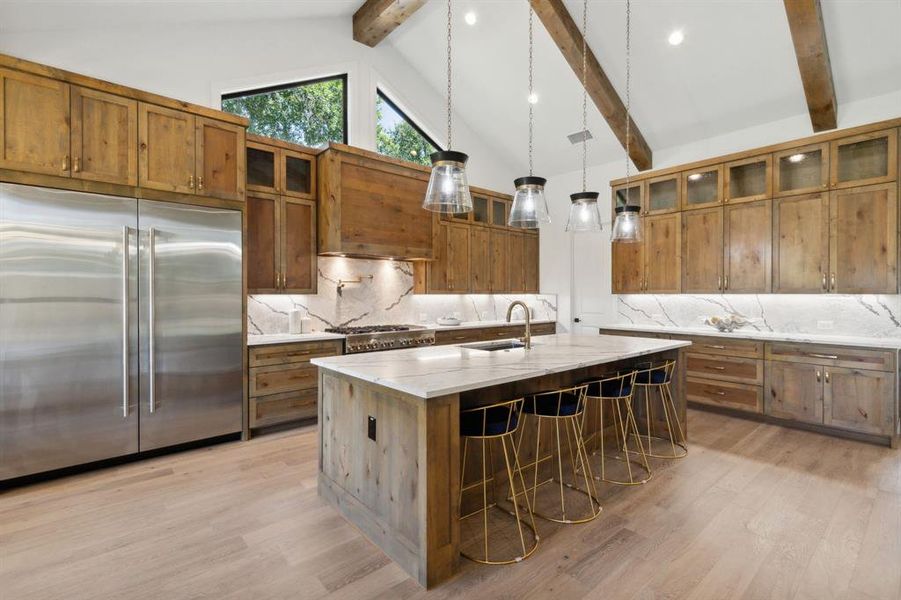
(755, 511)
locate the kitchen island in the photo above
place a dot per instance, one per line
(389, 447)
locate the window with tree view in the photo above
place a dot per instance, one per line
(398, 136)
(312, 113)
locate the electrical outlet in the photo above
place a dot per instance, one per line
(371, 428)
(825, 325)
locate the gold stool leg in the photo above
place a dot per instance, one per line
(679, 448)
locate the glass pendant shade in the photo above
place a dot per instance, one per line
(448, 190)
(583, 212)
(529, 204)
(627, 226)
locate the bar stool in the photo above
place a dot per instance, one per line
(616, 390)
(485, 424)
(562, 407)
(655, 378)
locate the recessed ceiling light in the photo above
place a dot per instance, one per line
(676, 37)
(796, 158)
(471, 18)
(533, 98)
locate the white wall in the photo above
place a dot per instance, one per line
(590, 296)
(197, 62)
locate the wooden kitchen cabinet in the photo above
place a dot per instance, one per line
(663, 195)
(864, 159)
(628, 267)
(34, 123)
(864, 240)
(530, 263)
(801, 170)
(458, 271)
(516, 265)
(702, 250)
(500, 261)
(801, 244)
(702, 188)
(859, 400)
(747, 247)
(794, 391)
(281, 245)
(480, 260)
(278, 167)
(662, 253)
(748, 179)
(166, 153)
(104, 137)
(219, 159)
(629, 195)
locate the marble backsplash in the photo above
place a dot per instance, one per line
(858, 315)
(385, 297)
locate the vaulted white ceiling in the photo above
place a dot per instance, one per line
(736, 68)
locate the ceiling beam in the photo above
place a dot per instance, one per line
(377, 18)
(566, 35)
(805, 19)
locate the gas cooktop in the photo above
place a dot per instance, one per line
(371, 329)
(370, 338)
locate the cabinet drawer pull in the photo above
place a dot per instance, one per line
(829, 356)
(715, 346)
(716, 368)
(719, 393)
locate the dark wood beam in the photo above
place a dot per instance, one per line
(377, 18)
(805, 19)
(566, 35)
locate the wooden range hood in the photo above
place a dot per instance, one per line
(370, 206)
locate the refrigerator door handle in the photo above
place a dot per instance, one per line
(151, 309)
(126, 306)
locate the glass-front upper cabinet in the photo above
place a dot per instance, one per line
(628, 195)
(499, 212)
(663, 194)
(801, 170)
(749, 179)
(864, 159)
(703, 187)
(262, 168)
(299, 172)
(480, 210)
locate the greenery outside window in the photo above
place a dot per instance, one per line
(398, 136)
(311, 113)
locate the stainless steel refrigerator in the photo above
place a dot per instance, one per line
(120, 326)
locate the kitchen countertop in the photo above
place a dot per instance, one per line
(286, 338)
(440, 370)
(768, 336)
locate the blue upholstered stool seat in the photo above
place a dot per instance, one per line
(552, 405)
(492, 421)
(652, 377)
(617, 387)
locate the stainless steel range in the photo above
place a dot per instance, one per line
(373, 338)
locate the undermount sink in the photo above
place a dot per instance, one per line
(493, 346)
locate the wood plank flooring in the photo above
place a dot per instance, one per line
(755, 511)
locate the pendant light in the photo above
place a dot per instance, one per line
(529, 203)
(627, 226)
(583, 212)
(448, 190)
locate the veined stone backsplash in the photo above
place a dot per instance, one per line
(385, 298)
(859, 315)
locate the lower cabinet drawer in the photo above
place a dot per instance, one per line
(281, 408)
(724, 393)
(276, 379)
(835, 356)
(724, 368)
(723, 346)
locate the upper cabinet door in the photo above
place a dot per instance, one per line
(298, 242)
(166, 149)
(663, 194)
(263, 256)
(864, 159)
(500, 261)
(263, 174)
(516, 252)
(298, 170)
(864, 240)
(662, 253)
(220, 159)
(480, 259)
(702, 188)
(628, 266)
(803, 170)
(458, 272)
(34, 124)
(749, 180)
(104, 137)
(628, 195)
(499, 212)
(481, 210)
(702, 250)
(747, 247)
(530, 262)
(801, 244)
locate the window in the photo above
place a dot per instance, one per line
(312, 113)
(396, 135)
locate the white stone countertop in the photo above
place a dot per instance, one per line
(888, 343)
(287, 338)
(439, 370)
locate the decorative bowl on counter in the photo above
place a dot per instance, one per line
(727, 324)
(449, 321)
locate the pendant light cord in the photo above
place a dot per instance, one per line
(531, 127)
(584, 94)
(628, 93)
(449, 78)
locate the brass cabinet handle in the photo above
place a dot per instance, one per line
(720, 393)
(715, 346)
(719, 283)
(66, 163)
(715, 368)
(832, 280)
(77, 167)
(825, 286)
(200, 182)
(817, 355)
(819, 376)
(827, 376)
(726, 282)
(191, 182)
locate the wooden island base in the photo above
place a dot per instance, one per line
(390, 461)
